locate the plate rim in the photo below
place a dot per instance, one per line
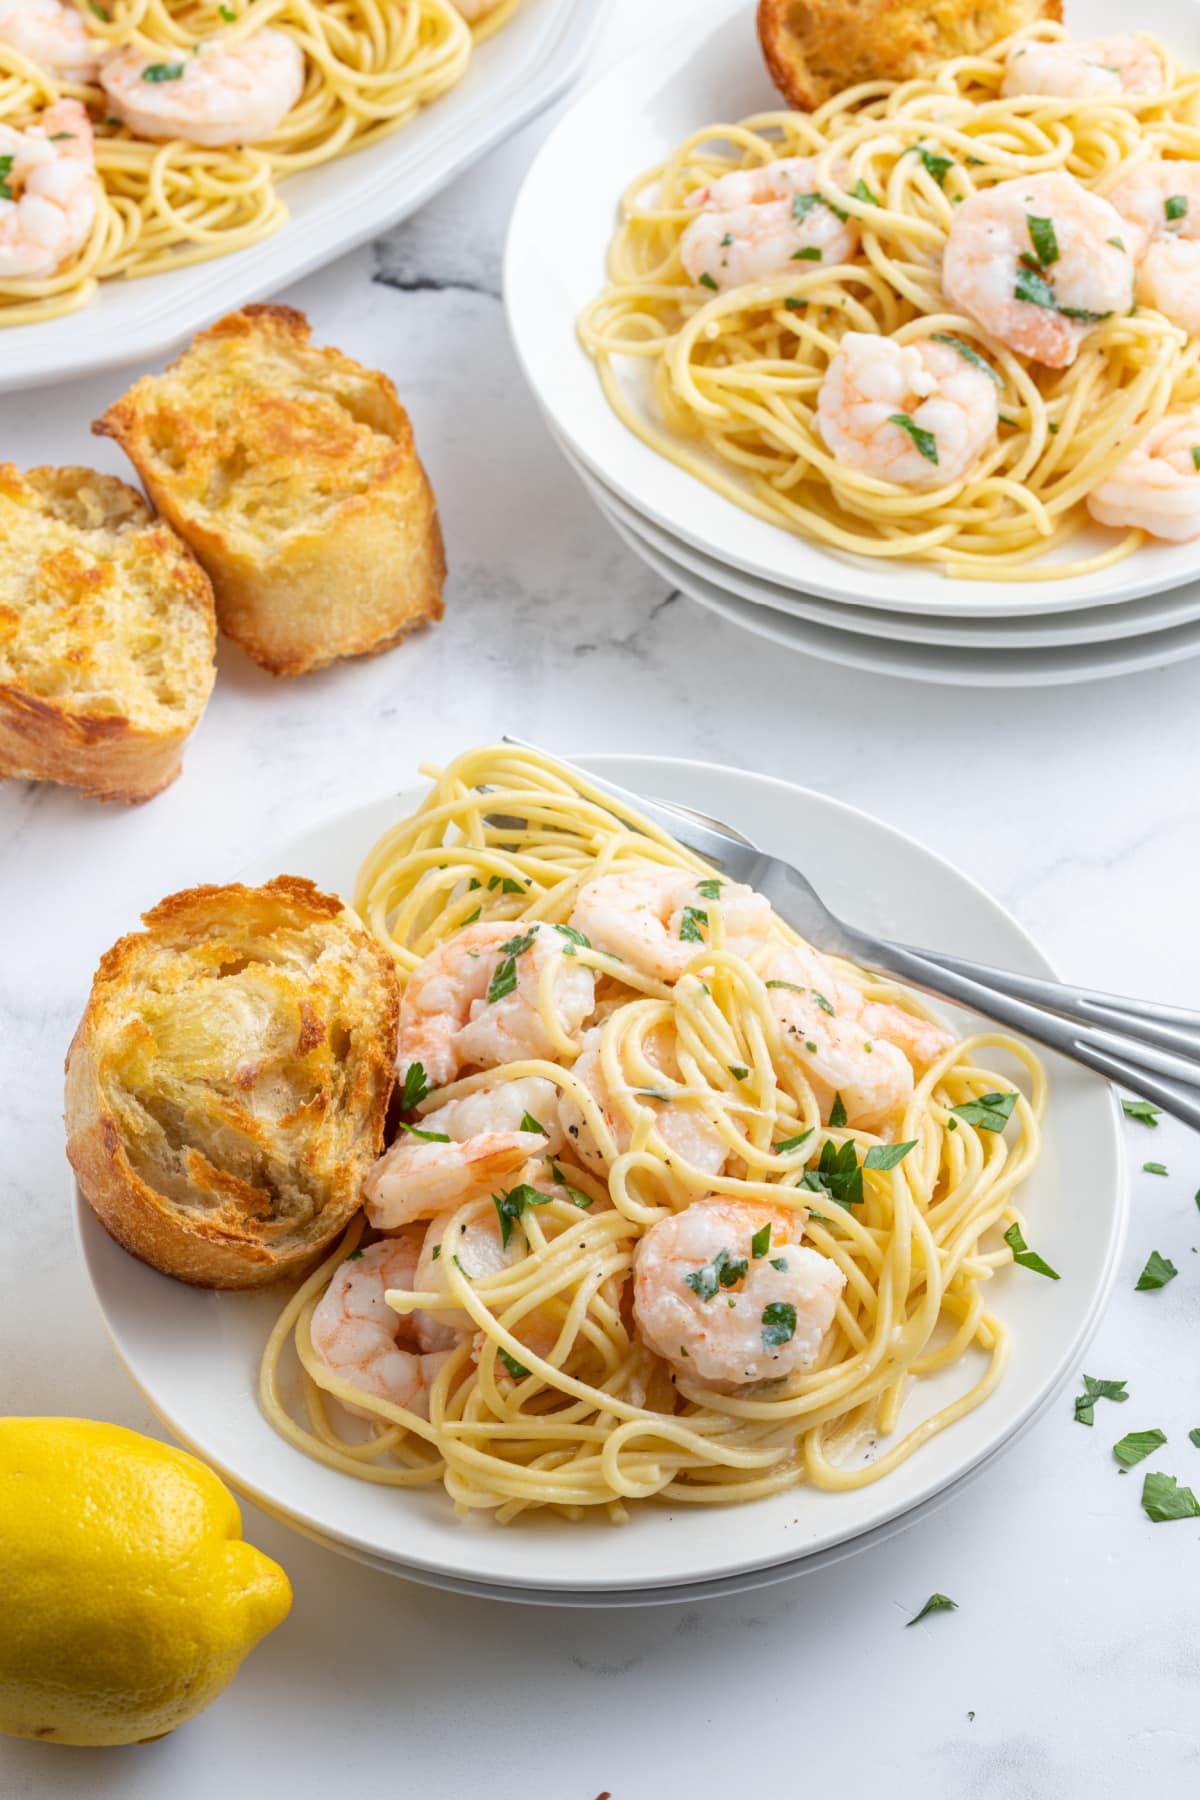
(528, 335)
(750, 1565)
(555, 62)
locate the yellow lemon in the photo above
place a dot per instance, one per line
(129, 1597)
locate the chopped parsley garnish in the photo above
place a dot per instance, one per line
(517, 1370)
(810, 253)
(575, 938)
(504, 980)
(1163, 1499)
(162, 72)
(1095, 1388)
(506, 884)
(581, 1200)
(785, 1146)
(935, 1603)
(727, 240)
(1041, 236)
(1154, 1168)
(227, 13)
(707, 281)
(1117, 244)
(1136, 1445)
(1176, 208)
(968, 354)
(780, 1262)
(471, 917)
(509, 1206)
(1035, 290)
(416, 1087)
(689, 925)
(790, 985)
(802, 204)
(937, 166)
(837, 1174)
(1156, 1274)
(724, 1271)
(437, 1251)
(887, 1156)
(778, 1324)
(991, 1112)
(95, 7)
(354, 1256)
(837, 1113)
(1141, 1110)
(1027, 1258)
(738, 1073)
(6, 168)
(426, 1137)
(529, 1123)
(59, 137)
(796, 305)
(822, 1002)
(862, 192)
(710, 888)
(651, 1094)
(760, 1243)
(924, 440)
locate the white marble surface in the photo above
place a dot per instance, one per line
(1076, 1646)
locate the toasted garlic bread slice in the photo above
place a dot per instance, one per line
(816, 48)
(292, 473)
(228, 1084)
(106, 635)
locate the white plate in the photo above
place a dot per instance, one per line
(194, 1354)
(1086, 625)
(629, 121)
(1055, 666)
(512, 77)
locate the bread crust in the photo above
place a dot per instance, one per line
(66, 536)
(351, 558)
(816, 48)
(241, 1173)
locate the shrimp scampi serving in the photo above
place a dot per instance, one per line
(694, 1234)
(48, 191)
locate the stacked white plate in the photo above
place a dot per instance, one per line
(902, 619)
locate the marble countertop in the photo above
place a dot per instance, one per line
(1072, 1665)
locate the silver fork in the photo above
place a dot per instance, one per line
(1153, 1050)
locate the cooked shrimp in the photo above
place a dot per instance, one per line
(864, 1050)
(49, 193)
(476, 1000)
(1091, 69)
(1039, 262)
(503, 1107)
(416, 1179)
(658, 919)
(52, 34)
(722, 1315)
(482, 1251)
(222, 93)
(918, 414)
(1157, 486)
(1160, 206)
(356, 1334)
(755, 222)
(684, 1129)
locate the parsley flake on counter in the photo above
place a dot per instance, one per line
(1163, 1499)
(1136, 1445)
(1156, 1274)
(1194, 1436)
(991, 1112)
(1141, 1110)
(935, 1603)
(1027, 1258)
(1154, 1169)
(1096, 1389)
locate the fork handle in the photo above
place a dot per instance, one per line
(1168, 1080)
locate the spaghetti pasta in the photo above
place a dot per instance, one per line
(370, 66)
(723, 380)
(549, 1395)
